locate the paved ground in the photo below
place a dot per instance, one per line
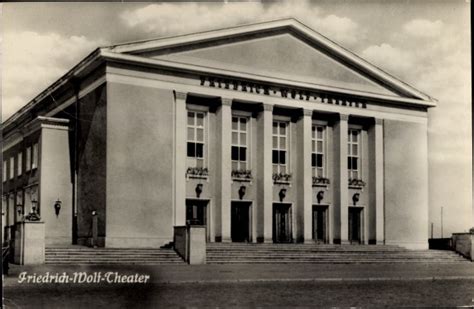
(251, 285)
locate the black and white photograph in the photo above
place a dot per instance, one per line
(237, 154)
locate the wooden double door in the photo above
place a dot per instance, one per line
(196, 212)
(320, 224)
(356, 225)
(241, 221)
(282, 223)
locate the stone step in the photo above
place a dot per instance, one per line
(251, 254)
(327, 262)
(242, 253)
(333, 253)
(337, 251)
(134, 262)
(328, 257)
(305, 247)
(85, 255)
(111, 254)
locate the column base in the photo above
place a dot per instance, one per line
(345, 242)
(264, 240)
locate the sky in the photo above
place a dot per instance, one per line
(424, 43)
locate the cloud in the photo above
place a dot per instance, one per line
(166, 18)
(341, 29)
(32, 61)
(439, 67)
(387, 57)
(423, 28)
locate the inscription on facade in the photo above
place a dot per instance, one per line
(284, 92)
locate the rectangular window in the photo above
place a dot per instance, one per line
(318, 150)
(20, 163)
(196, 139)
(353, 151)
(239, 143)
(280, 147)
(34, 163)
(28, 159)
(12, 167)
(5, 170)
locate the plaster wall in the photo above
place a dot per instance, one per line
(139, 166)
(55, 179)
(406, 184)
(91, 182)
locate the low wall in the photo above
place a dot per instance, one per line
(190, 243)
(29, 245)
(180, 241)
(463, 243)
(197, 244)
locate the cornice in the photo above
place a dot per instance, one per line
(293, 26)
(214, 74)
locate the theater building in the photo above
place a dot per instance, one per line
(267, 132)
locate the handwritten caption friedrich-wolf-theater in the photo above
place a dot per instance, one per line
(82, 277)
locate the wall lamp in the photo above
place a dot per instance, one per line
(282, 194)
(57, 207)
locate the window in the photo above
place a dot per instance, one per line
(5, 170)
(318, 149)
(20, 162)
(28, 159)
(239, 143)
(34, 163)
(280, 146)
(353, 158)
(12, 167)
(196, 138)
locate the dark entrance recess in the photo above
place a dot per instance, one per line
(355, 225)
(196, 212)
(320, 221)
(240, 221)
(282, 223)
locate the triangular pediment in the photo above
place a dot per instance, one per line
(283, 50)
(282, 56)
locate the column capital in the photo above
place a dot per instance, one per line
(307, 112)
(181, 95)
(378, 121)
(344, 117)
(226, 101)
(267, 107)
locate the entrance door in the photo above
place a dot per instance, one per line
(282, 222)
(355, 225)
(320, 228)
(240, 221)
(196, 212)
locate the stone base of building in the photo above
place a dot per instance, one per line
(415, 245)
(137, 242)
(58, 241)
(87, 241)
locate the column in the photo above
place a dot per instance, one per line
(304, 180)
(264, 174)
(180, 117)
(341, 193)
(224, 166)
(376, 182)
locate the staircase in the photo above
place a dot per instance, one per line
(242, 253)
(84, 255)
